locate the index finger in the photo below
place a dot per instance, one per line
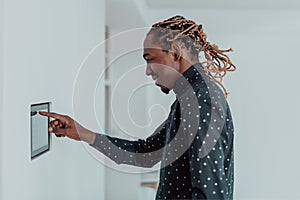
(53, 115)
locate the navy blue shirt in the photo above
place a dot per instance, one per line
(194, 144)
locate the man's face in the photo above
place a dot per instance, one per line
(161, 65)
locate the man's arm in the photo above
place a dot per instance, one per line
(145, 153)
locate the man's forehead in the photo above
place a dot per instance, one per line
(150, 46)
(151, 41)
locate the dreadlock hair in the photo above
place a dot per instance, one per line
(192, 35)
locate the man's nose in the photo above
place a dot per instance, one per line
(149, 71)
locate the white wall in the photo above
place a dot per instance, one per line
(264, 96)
(1, 90)
(45, 43)
(124, 77)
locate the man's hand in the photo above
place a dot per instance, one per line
(63, 125)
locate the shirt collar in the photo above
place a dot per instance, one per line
(187, 79)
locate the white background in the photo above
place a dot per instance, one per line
(44, 43)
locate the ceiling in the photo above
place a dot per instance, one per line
(221, 4)
(127, 14)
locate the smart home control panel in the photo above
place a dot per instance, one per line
(40, 137)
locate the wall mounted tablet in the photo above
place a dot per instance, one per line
(40, 137)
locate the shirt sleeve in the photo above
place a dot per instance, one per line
(143, 153)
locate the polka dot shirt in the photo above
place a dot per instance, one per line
(194, 144)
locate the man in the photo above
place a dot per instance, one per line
(195, 143)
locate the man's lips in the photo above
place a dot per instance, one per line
(159, 85)
(155, 78)
(154, 75)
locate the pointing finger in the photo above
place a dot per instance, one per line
(53, 115)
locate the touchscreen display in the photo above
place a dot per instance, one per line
(40, 137)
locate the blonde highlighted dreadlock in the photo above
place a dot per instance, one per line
(178, 28)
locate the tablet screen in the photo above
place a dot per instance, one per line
(40, 137)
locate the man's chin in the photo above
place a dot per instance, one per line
(164, 89)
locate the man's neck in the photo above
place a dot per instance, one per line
(185, 64)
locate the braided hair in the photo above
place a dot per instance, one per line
(178, 28)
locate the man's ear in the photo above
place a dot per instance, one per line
(176, 49)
